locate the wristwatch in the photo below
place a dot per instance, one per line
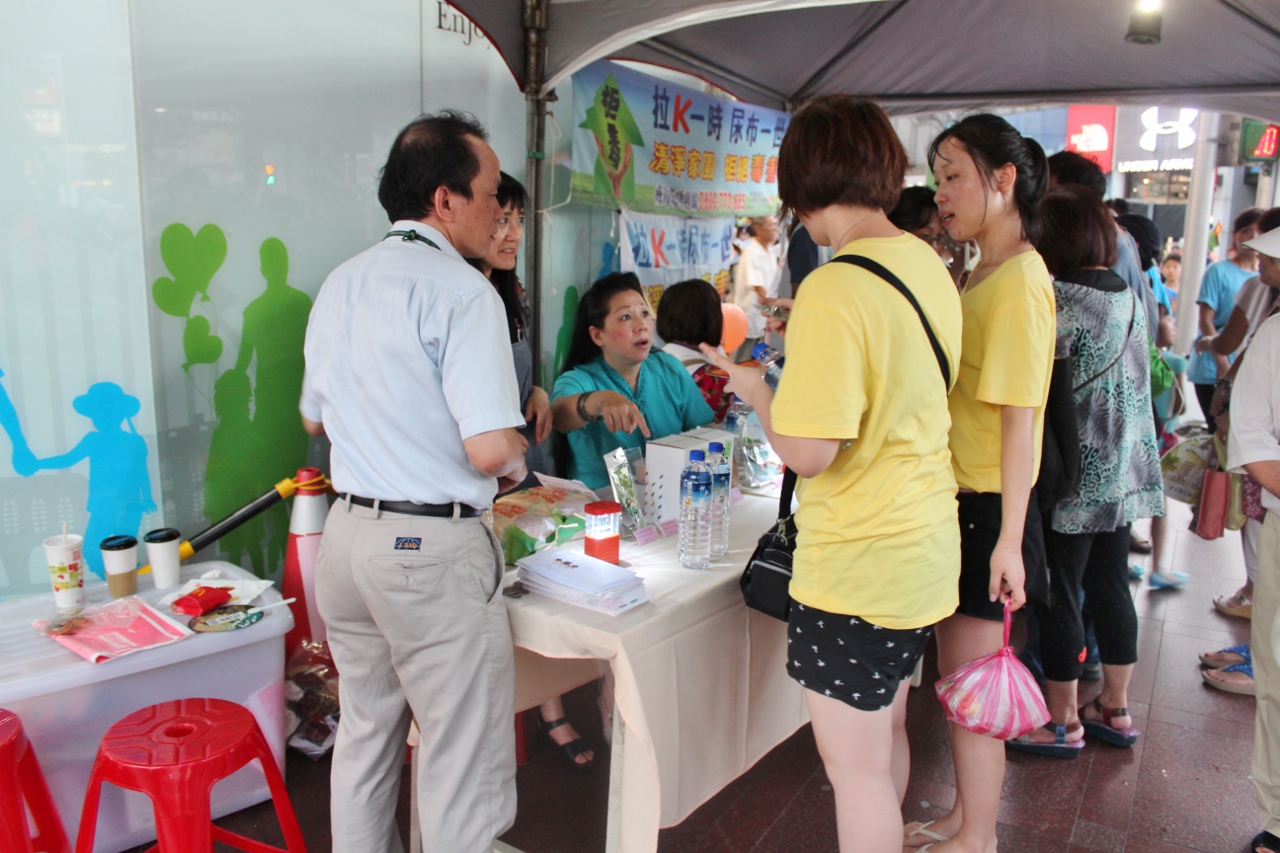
(582, 408)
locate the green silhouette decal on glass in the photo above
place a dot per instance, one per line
(275, 328)
(235, 455)
(192, 260)
(258, 437)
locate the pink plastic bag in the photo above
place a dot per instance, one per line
(995, 694)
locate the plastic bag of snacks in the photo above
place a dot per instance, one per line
(995, 694)
(529, 519)
(311, 699)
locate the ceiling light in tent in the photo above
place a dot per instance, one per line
(1145, 22)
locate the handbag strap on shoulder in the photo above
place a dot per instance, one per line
(880, 271)
(784, 497)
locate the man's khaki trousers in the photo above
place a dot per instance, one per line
(418, 629)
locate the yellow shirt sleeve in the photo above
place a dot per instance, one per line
(1009, 377)
(823, 391)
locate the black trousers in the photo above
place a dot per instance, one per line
(1098, 563)
(1204, 393)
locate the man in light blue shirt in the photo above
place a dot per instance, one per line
(410, 374)
(1218, 289)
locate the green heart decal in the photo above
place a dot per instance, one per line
(192, 259)
(200, 346)
(171, 297)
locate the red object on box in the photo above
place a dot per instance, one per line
(201, 600)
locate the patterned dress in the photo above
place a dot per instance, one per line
(1120, 478)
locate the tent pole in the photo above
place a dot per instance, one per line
(535, 27)
(1204, 176)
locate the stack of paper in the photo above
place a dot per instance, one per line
(575, 578)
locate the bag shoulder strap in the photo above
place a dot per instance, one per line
(1133, 315)
(784, 497)
(878, 270)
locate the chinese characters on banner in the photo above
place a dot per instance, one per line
(663, 250)
(648, 145)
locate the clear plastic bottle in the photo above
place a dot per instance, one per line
(736, 416)
(771, 362)
(721, 472)
(695, 513)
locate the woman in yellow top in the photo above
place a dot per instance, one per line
(861, 415)
(990, 180)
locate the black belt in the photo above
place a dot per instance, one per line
(411, 508)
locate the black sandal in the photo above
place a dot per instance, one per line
(571, 750)
(1264, 841)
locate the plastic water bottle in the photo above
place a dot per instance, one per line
(771, 362)
(721, 471)
(736, 416)
(695, 513)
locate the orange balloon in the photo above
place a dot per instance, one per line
(735, 326)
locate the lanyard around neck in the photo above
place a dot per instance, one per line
(411, 235)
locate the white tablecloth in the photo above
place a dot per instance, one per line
(701, 681)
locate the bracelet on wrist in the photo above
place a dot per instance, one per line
(582, 409)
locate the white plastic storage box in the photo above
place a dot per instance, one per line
(66, 704)
(665, 460)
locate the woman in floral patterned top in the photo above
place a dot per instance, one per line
(1105, 335)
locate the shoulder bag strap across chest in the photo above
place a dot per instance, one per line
(879, 270)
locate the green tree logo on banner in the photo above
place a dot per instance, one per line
(609, 119)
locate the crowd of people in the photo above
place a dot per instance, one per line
(983, 446)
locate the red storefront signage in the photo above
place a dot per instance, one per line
(1091, 132)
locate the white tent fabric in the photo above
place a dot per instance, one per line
(921, 55)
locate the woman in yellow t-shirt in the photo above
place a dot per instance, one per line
(990, 179)
(861, 415)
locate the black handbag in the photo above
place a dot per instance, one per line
(766, 581)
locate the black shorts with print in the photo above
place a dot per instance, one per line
(850, 659)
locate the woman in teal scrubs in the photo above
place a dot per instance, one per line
(616, 390)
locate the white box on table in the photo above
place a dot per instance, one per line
(66, 704)
(665, 460)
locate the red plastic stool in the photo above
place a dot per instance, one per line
(22, 788)
(174, 752)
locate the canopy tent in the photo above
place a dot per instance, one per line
(919, 55)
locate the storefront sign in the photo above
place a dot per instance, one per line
(1155, 139)
(663, 250)
(1091, 132)
(644, 144)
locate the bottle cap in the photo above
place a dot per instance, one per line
(603, 508)
(715, 447)
(760, 350)
(697, 456)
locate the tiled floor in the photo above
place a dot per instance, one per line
(1184, 787)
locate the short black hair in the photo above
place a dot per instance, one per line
(915, 208)
(689, 313)
(1145, 233)
(1246, 218)
(1077, 230)
(1070, 167)
(432, 151)
(1119, 206)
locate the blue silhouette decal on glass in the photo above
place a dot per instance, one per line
(24, 461)
(119, 485)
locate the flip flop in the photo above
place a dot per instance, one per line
(1103, 730)
(922, 829)
(1060, 748)
(1174, 580)
(1249, 689)
(1242, 650)
(1237, 605)
(1266, 841)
